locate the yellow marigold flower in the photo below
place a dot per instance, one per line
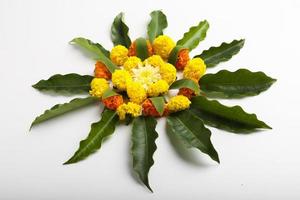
(118, 55)
(194, 69)
(163, 46)
(98, 87)
(157, 88)
(120, 78)
(168, 73)
(131, 63)
(131, 108)
(121, 111)
(178, 103)
(155, 61)
(134, 109)
(136, 92)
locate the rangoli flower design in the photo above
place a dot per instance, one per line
(148, 78)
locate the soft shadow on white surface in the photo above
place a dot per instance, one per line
(187, 155)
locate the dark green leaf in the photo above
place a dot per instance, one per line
(236, 84)
(97, 53)
(143, 146)
(61, 109)
(224, 52)
(141, 48)
(99, 130)
(109, 93)
(159, 104)
(90, 46)
(191, 130)
(119, 32)
(233, 119)
(157, 24)
(196, 34)
(185, 83)
(69, 83)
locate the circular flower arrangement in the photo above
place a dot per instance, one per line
(146, 81)
(134, 82)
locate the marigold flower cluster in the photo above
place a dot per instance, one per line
(129, 108)
(136, 81)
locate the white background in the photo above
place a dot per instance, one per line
(34, 38)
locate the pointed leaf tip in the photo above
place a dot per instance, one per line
(119, 31)
(194, 36)
(233, 119)
(99, 130)
(143, 146)
(215, 55)
(65, 84)
(238, 84)
(61, 109)
(157, 24)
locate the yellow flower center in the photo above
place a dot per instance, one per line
(146, 75)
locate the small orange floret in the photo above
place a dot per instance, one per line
(132, 49)
(182, 59)
(189, 93)
(113, 102)
(166, 112)
(101, 71)
(149, 109)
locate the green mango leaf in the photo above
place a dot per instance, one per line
(191, 130)
(141, 48)
(69, 83)
(91, 47)
(109, 93)
(143, 146)
(222, 53)
(185, 83)
(159, 104)
(61, 109)
(233, 119)
(196, 34)
(157, 24)
(236, 84)
(97, 52)
(119, 32)
(99, 130)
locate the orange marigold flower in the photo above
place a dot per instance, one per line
(132, 49)
(189, 93)
(113, 102)
(182, 59)
(149, 109)
(166, 112)
(101, 71)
